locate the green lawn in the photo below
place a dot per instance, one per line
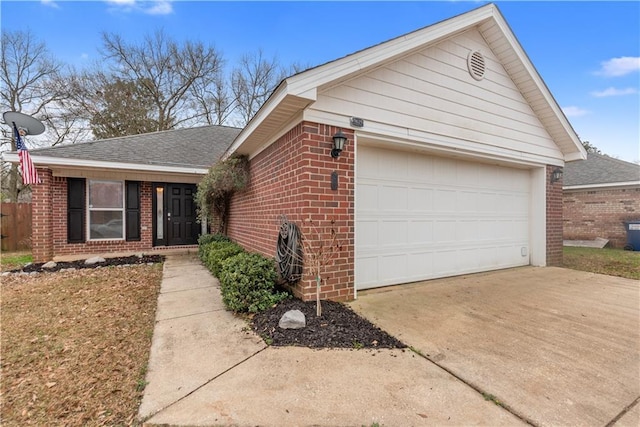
(11, 260)
(613, 262)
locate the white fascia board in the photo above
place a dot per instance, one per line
(542, 87)
(601, 186)
(269, 107)
(93, 164)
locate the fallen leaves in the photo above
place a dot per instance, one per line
(75, 345)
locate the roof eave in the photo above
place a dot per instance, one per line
(571, 151)
(44, 161)
(602, 185)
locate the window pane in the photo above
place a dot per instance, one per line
(105, 194)
(159, 213)
(105, 225)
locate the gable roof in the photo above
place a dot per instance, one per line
(301, 90)
(600, 171)
(172, 150)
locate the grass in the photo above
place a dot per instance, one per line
(75, 345)
(12, 260)
(612, 262)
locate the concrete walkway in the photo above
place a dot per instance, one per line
(207, 368)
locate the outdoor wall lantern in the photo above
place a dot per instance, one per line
(339, 139)
(556, 175)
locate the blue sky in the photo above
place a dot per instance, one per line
(588, 53)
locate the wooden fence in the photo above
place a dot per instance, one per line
(16, 226)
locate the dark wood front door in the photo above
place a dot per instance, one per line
(182, 228)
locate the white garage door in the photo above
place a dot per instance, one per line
(422, 217)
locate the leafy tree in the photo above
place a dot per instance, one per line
(218, 186)
(590, 148)
(124, 108)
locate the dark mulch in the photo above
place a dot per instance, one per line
(338, 327)
(128, 260)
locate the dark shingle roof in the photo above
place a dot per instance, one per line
(190, 147)
(599, 169)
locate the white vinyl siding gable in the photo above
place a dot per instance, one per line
(432, 93)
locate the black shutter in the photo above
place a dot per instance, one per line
(133, 210)
(75, 210)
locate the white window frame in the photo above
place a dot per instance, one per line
(90, 209)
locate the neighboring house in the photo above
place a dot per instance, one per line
(600, 194)
(126, 194)
(453, 139)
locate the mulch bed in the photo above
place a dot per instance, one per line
(338, 327)
(79, 264)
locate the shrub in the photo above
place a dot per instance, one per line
(218, 252)
(247, 282)
(206, 239)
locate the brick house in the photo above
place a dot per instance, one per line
(450, 166)
(128, 194)
(599, 195)
(452, 144)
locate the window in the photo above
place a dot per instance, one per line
(106, 209)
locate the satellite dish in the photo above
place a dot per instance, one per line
(31, 125)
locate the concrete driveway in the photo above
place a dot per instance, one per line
(554, 346)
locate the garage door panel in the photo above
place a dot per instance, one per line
(367, 232)
(444, 201)
(367, 268)
(368, 197)
(392, 266)
(420, 200)
(392, 198)
(418, 262)
(421, 217)
(393, 233)
(420, 232)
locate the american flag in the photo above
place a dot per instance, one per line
(29, 172)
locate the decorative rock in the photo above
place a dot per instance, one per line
(293, 319)
(94, 260)
(50, 264)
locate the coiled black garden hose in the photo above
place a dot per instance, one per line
(289, 252)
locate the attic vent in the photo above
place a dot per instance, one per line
(475, 62)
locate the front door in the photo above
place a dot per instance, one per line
(176, 216)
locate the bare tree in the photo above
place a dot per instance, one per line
(28, 73)
(167, 70)
(212, 99)
(252, 82)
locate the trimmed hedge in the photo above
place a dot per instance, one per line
(217, 252)
(247, 282)
(206, 239)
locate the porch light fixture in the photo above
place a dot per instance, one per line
(339, 139)
(556, 175)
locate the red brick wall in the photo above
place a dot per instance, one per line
(292, 177)
(554, 220)
(49, 211)
(600, 213)
(42, 217)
